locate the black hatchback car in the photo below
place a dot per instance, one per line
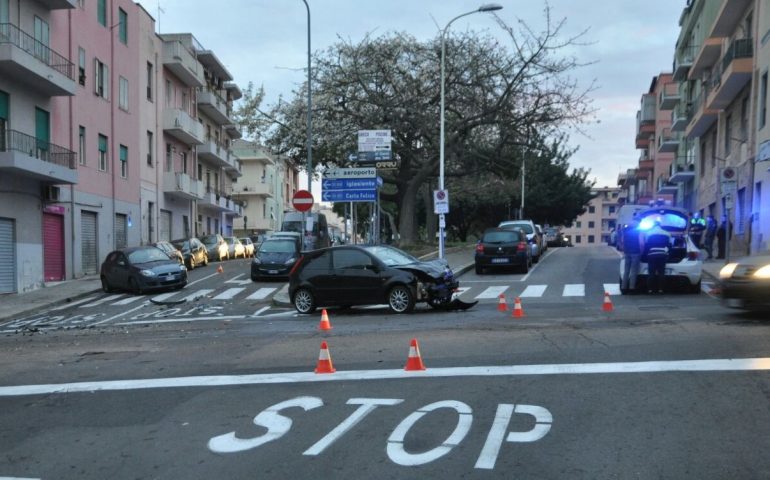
(141, 269)
(274, 258)
(376, 274)
(503, 248)
(193, 251)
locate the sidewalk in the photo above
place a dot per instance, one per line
(15, 305)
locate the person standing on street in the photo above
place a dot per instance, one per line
(633, 246)
(711, 232)
(697, 227)
(722, 239)
(656, 246)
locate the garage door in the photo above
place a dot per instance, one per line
(165, 225)
(88, 242)
(53, 247)
(7, 256)
(121, 231)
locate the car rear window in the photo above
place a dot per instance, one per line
(278, 246)
(500, 237)
(524, 226)
(668, 221)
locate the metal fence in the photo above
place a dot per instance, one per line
(10, 33)
(11, 140)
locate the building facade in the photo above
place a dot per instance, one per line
(597, 224)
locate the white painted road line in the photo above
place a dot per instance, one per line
(128, 300)
(108, 298)
(461, 290)
(256, 314)
(164, 296)
(574, 290)
(229, 293)
(261, 294)
(533, 291)
(121, 314)
(198, 293)
(612, 288)
(492, 292)
(714, 365)
(72, 304)
(182, 319)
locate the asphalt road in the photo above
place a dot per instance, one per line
(665, 386)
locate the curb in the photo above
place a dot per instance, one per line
(77, 296)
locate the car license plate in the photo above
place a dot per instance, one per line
(735, 302)
(499, 260)
(272, 272)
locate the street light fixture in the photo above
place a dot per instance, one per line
(487, 7)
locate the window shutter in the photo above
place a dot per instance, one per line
(97, 77)
(106, 82)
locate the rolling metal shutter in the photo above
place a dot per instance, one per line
(121, 231)
(88, 242)
(53, 247)
(7, 256)
(165, 225)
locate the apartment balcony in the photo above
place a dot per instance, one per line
(233, 208)
(25, 155)
(42, 69)
(700, 118)
(707, 57)
(729, 17)
(644, 131)
(213, 106)
(182, 63)
(666, 187)
(669, 96)
(735, 72)
(180, 185)
(681, 172)
(668, 141)
(180, 125)
(679, 118)
(58, 4)
(212, 199)
(234, 167)
(260, 224)
(234, 130)
(645, 164)
(683, 63)
(214, 153)
(263, 189)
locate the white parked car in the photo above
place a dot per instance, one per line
(533, 237)
(248, 245)
(685, 264)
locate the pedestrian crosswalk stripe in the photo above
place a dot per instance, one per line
(72, 304)
(261, 293)
(128, 300)
(574, 290)
(492, 292)
(228, 294)
(164, 296)
(534, 291)
(108, 298)
(612, 288)
(198, 293)
(461, 290)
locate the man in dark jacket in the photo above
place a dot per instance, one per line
(711, 232)
(656, 246)
(632, 254)
(722, 236)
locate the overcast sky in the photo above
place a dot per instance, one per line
(265, 42)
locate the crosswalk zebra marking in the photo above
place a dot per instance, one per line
(229, 293)
(261, 294)
(574, 290)
(164, 296)
(72, 304)
(533, 291)
(106, 299)
(198, 293)
(612, 288)
(492, 292)
(128, 300)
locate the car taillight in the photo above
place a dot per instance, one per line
(692, 255)
(296, 264)
(479, 248)
(521, 247)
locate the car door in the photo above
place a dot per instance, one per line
(357, 277)
(121, 271)
(318, 274)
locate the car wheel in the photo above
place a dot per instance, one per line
(695, 288)
(400, 299)
(479, 269)
(106, 285)
(536, 259)
(205, 259)
(192, 262)
(134, 287)
(304, 302)
(525, 267)
(254, 278)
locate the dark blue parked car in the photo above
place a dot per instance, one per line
(141, 269)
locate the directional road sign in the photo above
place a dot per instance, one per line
(373, 140)
(370, 157)
(349, 195)
(349, 184)
(351, 173)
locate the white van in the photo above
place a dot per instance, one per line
(293, 222)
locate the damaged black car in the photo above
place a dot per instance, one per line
(351, 275)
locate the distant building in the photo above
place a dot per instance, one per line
(596, 225)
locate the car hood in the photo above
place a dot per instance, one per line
(159, 267)
(274, 257)
(434, 268)
(754, 260)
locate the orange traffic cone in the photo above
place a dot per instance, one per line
(607, 306)
(220, 269)
(518, 312)
(324, 325)
(324, 360)
(414, 361)
(501, 305)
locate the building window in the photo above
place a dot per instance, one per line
(124, 161)
(184, 162)
(149, 81)
(763, 101)
(612, 208)
(168, 157)
(578, 238)
(713, 148)
(123, 22)
(591, 224)
(728, 134)
(123, 91)
(590, 239)
(591, 209)
(578, 224)
(102, 153)
(82, 66)
(101, 79)
(169, 93)
(4, 11)
(150, 147)
(101, 12)
(82, 145)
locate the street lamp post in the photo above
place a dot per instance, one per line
(309, 107)
(488, 7)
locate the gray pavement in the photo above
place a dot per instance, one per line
(59, 293)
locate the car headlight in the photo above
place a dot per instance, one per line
(256, 261)
(763, 272)
(727, 270)
(147, 273)
(290, 261)
(182, 268)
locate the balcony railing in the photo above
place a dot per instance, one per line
(10, 33)
(739, 48)
(11, 140)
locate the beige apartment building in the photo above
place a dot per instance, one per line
(596, 225)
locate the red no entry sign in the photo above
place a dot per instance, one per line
(302, 200)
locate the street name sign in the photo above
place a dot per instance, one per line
(349, 185)
(349, 195)
(351, 173)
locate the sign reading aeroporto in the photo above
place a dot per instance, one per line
(302, 200)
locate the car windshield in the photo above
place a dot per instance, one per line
(230, 240)
(209, 240)
(278, 246)
(500, 237)
(292, 227)
(391, 256)
(181, 244)
(524, 226)
(146, 255)
(245, 240)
